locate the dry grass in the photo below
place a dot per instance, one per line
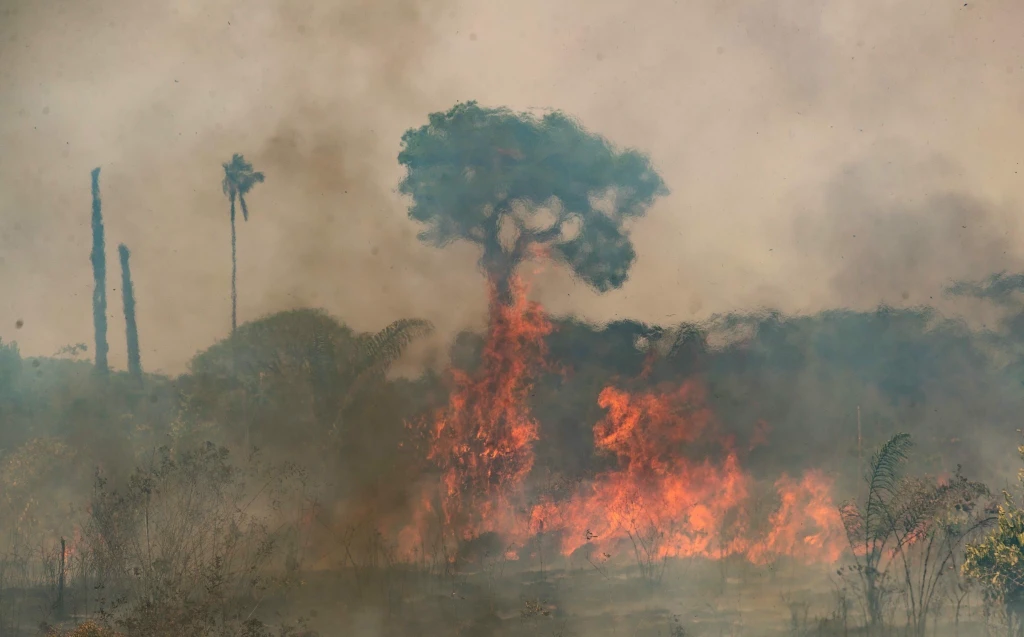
(85, 629)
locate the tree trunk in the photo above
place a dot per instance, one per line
(234, 272)
(499, 275)
(99, 273)
(131, 327)
(60, 579)
(499, 266)
(874, 602)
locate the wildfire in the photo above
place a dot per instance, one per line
(483, 440)
(677, 488)
(676, 505)
(806, 524)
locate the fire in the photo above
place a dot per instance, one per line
(675, 504)
(676, 487)
(805, 525)
(483, 440)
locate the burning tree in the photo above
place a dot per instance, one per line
(517, 186)
(514, 184)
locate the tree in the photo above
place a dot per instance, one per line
(997, 562)
(931, 520)
(99, 273)
(131, 327)
(870, 527)
(239, 179)
(917, 525)
(515, 184)
(303, 362)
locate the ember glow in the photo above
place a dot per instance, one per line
(483, 440)
(677, 488)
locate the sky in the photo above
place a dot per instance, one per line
(820, 154)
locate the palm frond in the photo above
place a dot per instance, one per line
(379, 351)
(239, 179)
(372, 356)
(884, 471)
(883, 481)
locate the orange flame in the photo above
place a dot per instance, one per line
(806, 524)
(656, 493)
(665, 496)
(483, 439)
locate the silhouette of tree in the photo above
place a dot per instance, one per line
(301, 361)
(99, 273)
(870, 526)
(516, 185)
(131, 327)
(239, 179)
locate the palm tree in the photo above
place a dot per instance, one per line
(239, 179)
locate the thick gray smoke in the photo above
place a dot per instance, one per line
(753, 112)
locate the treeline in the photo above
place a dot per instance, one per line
(300, 377)
(312, 394)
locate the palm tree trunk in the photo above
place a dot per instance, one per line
(234, 272)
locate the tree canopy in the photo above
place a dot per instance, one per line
(514, 183)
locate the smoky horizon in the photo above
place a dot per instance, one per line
(485, 319)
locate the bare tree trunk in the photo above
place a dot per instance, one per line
(234, 272)
(131, 326)
(99, 273)
(60, 579)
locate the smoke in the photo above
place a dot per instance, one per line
(781, 129)
(897, 234)
(825, 156)
(315, 94)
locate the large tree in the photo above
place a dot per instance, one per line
(239, 179)
(516, 184)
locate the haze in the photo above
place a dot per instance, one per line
(819, 154)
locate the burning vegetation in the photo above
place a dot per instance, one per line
(557, 469)
(675, 486)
